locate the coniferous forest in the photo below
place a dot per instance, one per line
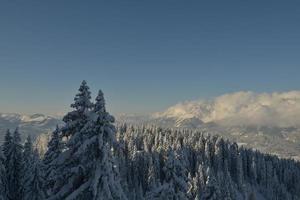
(89, 158)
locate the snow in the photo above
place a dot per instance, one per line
(24, 118)
(241, 108)
(242, 144)
(34, 118)
(156, 163)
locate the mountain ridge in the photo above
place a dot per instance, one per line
(227, 115)
(32, 125)
(241, 108)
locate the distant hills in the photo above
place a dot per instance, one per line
(33, 125)
(281, 141)
(267, 122)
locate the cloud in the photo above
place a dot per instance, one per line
(243, 108)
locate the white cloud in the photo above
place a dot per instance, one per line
(243, 108)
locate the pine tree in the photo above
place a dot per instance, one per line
(49, 166)
(239, 173)
(2, 177)
(105, 177)
(7, 146)
(14, 168)
(88, 167)
(34, 181)
(152, 181)
(219, 154)
(27, 164)
(194, 187)
(175, 176)
(28, 151)
(212, 187)
(76, 119)
(226, 184)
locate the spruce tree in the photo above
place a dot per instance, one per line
(212, 187)
(7, 146)
(34, 189)
(15, 168)
(87, 165)
(175, 175)
(27, 164)
(103, 173)
(49, 166)
(27, 154)
(76, 119)
(2, 177)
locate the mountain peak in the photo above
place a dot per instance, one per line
(241, 108)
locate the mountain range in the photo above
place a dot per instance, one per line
(267, 122)
(32, 125)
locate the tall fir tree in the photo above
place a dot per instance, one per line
(7, 146)
(2, 177)
(27, 164)
(175, 175)
(28, 151)
(103, 172)
(87, 165)
(15, 168)
(76, 119)
(49, 167)
(34, 182)
(212, 187)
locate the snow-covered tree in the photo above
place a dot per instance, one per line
(212, 187)
(28, 151)
(34, 182)
(49, 166)
(2, 177)
(175, 175)
(152, 180)
(231, 173)
(14, 168)
(87, 159)
(103, 172)
(7, 146)
(76, 119)
(87, 165)
(27, 165)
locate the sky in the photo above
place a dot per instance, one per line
(144, 55)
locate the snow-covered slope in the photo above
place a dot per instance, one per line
(268, 122)
(241, 108)
(28, 124)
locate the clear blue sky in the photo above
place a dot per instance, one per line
(144, 55)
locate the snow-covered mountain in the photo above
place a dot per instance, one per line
(146, 162)
(32, 125)
(241, 108)
(268, 122)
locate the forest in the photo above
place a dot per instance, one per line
(93, 157)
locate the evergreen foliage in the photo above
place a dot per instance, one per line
(88, 158)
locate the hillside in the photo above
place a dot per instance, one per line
(89, 158)
(33, 125)
(268, 122)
